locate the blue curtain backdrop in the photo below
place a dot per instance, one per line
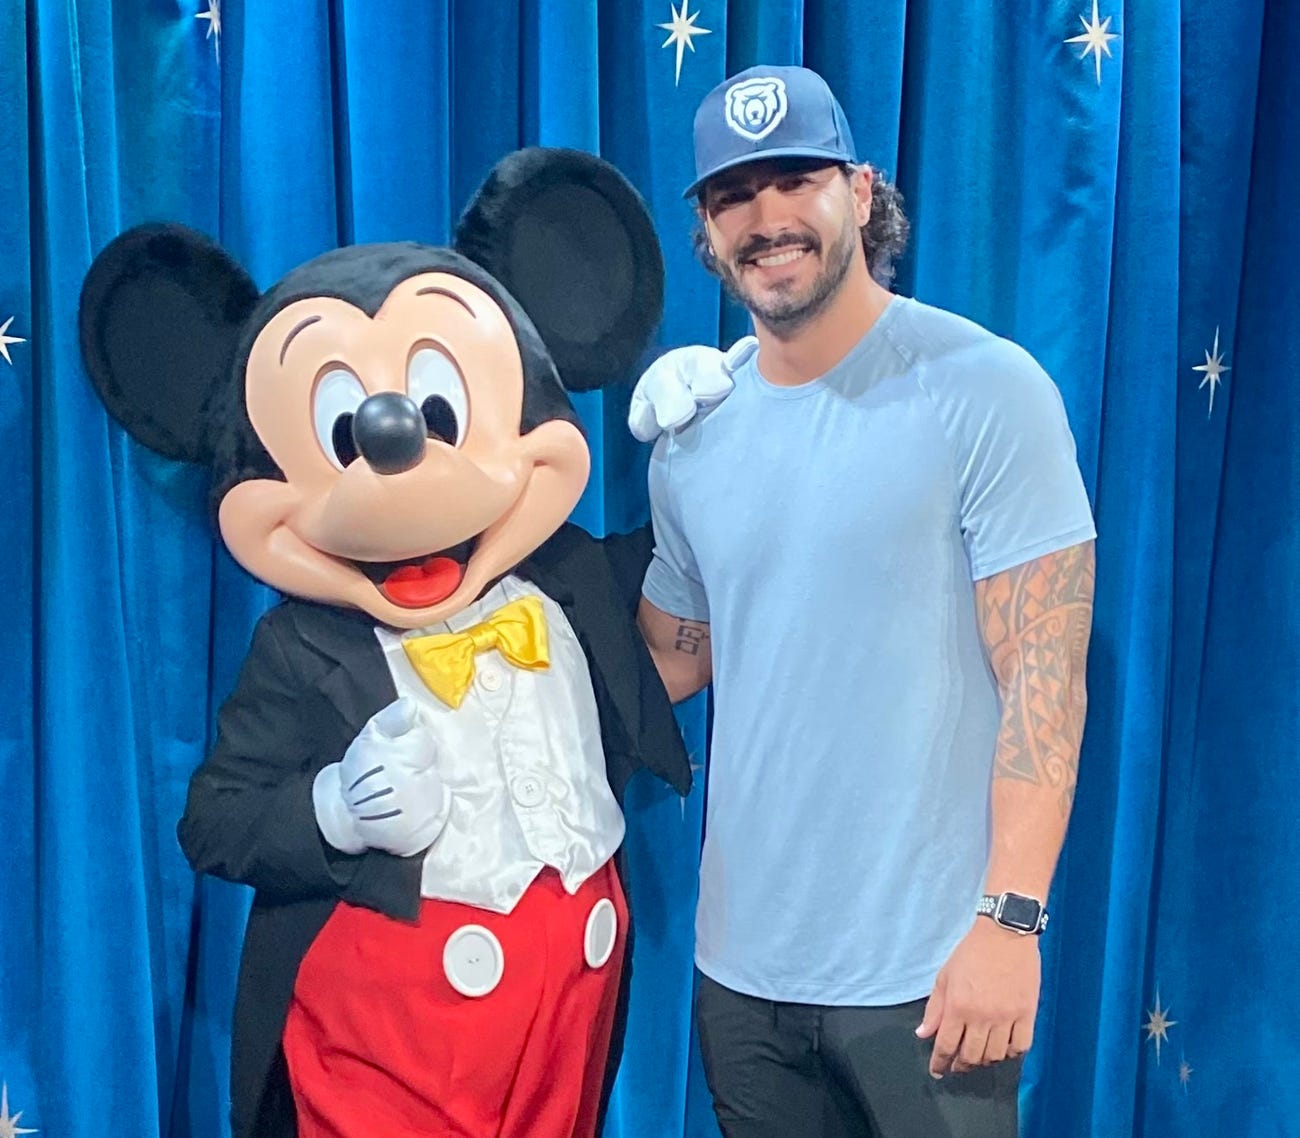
(1110, 183)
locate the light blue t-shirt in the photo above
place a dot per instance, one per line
(830, 534)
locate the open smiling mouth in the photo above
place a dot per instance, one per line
(418, 582)
(779, 253)
(778, 258)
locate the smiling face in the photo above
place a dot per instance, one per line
(408, 486)
(785, 234)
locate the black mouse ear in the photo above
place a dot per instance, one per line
(162, 308)
(574, 244)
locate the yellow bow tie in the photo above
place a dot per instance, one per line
(445, 660)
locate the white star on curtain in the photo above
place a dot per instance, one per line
(213, 17)
(1096, 38)
(695, 769)
(681, 31)
(9, 1127)
(1157, 1025)
(6, 340)
(1213, 368)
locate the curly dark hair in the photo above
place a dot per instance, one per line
(884, 237)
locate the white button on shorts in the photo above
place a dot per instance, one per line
(473, 960)
(602, 931)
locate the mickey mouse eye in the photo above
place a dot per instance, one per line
(338, 395)
(435, 386)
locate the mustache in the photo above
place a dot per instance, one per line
(762, 246)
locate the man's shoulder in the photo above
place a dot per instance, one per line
(929, 333)
(957, 357)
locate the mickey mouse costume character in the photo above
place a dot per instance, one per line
(420, 768)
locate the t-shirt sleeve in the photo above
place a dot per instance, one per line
(1021, 493)
(672, 581)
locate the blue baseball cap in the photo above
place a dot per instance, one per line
(768, 112)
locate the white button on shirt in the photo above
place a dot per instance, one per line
(528, 791)
(523, 760)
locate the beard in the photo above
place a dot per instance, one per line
(785, 308)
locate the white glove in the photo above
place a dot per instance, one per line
(385, 794)
(680, 384)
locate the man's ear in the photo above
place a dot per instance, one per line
(862, 183)
(574, 244)
(162, 309)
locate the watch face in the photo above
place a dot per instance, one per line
(1019, 912)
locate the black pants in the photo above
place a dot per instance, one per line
(779, 1070)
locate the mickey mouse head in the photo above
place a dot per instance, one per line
(388, 426)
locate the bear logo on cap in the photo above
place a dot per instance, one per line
(756, 107)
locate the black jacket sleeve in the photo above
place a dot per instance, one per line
(629, 557)
(249, 816)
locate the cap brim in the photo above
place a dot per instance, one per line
(762, 155)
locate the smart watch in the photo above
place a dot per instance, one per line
(1014, 911)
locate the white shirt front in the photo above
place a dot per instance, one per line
(523, 760)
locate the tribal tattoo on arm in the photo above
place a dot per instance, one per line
(1036, 620)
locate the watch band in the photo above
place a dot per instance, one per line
(992, 905)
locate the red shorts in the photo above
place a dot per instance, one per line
(466, 1023)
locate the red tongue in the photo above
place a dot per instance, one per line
(417, 586)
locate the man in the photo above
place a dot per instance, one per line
(878, 547)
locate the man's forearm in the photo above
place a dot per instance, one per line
(1036, 621)
(1028, 831)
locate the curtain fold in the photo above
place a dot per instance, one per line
(1228, 873)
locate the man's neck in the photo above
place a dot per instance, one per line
(820, 344)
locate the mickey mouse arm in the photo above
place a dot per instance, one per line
(249, 816)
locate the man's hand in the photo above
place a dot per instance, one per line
(680, 384)
(984, 1001)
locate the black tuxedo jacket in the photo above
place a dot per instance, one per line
(313, 676)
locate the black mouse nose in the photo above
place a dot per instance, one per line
(389, 432)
